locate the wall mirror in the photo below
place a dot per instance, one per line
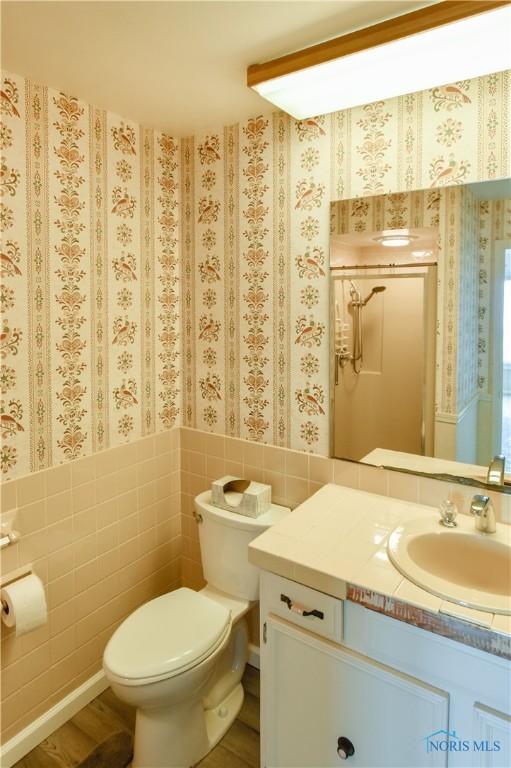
(421, 330)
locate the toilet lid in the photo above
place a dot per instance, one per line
(166, 636)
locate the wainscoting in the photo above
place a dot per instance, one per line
(104, 535)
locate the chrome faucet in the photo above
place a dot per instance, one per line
(496, 470)
(482, 508)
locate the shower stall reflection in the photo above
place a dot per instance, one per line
(384, 384)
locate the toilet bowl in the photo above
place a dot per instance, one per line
(179, 659)
(160, 661)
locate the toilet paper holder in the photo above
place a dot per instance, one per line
(9, 578)
(11, 537)
(7, 533)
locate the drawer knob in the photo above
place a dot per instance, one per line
(301, 610)
(345, 748)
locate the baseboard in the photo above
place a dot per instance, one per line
(254, 656)
(24, 741)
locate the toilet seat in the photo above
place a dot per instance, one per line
(165, 637)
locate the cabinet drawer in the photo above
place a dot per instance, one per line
(305, 607)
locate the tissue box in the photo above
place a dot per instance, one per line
(242, 496)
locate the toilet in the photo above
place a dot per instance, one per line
(179, 658)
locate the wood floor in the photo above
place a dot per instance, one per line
(68, 746)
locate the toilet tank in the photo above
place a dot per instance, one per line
(224, 538)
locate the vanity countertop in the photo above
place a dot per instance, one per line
(382, 457)
(336, 542)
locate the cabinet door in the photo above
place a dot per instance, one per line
(492, 732)
(315, 692)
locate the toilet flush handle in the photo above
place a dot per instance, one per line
(198, 517)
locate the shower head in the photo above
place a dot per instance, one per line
(376, 289)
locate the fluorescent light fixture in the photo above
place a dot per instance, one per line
(459, 50)
(395, 241)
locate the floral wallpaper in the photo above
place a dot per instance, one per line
(131, 260)
(90, 264)
(255, 233)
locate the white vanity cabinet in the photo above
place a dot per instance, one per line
(320, 697)
(344, 678)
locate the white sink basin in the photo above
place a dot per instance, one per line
(459, 564)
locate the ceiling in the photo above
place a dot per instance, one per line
(178, 66)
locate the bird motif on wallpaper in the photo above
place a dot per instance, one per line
(311, 128)
(308, 194)
(309, 400)
(449, 96)
(9, 340)
(9, 99)
(9, 425)
(309, 331)
(124, 331)
(124, 267)
(444, 172)
(123, 203)
(208, 210)
(9, 258)
(208, 328)
(433, 200)
(209, 150)
(209, 269)
(128, 397)
(10, 422)
(310, 264)
(125, 394)
(124, 139)
(210, 387)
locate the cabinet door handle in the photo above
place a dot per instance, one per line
(345, 748)
(301, 610)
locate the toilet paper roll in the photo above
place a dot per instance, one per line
(24, 604)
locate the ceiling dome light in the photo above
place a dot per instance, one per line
(395, 241)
